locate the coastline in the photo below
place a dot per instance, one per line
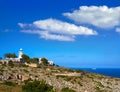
(113, 72)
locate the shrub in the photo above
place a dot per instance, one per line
(22, 65)
(68, 78)
(9, 83)
(67, 89)
(60, 76)
(26, 71)
(37, 86)
(44, 61)
(79, 71)
(80, 83)
(10, 63)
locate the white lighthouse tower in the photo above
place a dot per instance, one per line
(20, 53)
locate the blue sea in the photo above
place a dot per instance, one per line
(113, 72)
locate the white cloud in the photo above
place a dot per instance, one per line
(118, 30)
(53, 25)
(48, 36)
(99, 16)
(21, 25)
(57, 30)
(58, 37)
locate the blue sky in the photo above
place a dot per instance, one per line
(72, 33)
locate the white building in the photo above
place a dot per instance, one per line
(16, 59)
(49, 61)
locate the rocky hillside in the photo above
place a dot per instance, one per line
(59, 78)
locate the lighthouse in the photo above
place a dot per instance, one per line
(20, 53)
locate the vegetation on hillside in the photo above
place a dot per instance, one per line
(37, 86)
(60, 79)
(11, 64)
(67, 89)
(44, 61)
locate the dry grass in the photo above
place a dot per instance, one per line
(4, 88)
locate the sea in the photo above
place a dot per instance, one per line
(113, 72)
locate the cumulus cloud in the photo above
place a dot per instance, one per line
(99, 16)
(23, 25)
(53, 25)
(56, 30)
(48, 36)
(118, 30)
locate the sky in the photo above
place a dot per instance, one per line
(72, 33)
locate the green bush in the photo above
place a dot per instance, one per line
(9, 83)
(37, 86)
(80, 83)
(10, 63)
(60, 76)
(22, 65)
(67, 89)
(44, 61)
(79, 71)
(25, 70)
